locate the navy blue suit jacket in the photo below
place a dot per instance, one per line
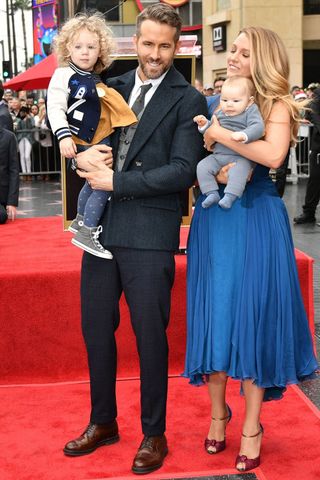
(145, 209)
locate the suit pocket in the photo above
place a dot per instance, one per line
(162, 202)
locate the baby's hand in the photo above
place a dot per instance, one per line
(200, 120)
(238, 136)
(67, 147)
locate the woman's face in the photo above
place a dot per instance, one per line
(238, 59)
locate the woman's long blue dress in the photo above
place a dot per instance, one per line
(245, 314)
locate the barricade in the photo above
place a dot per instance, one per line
(45, 154)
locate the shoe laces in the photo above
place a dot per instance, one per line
(147, 442)
(95, 236)
(90, 429)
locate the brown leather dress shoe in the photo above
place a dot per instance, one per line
(93, 437)
(150, 455)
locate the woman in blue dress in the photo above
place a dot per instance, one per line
(246, 318)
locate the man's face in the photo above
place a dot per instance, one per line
(7, 95)
(218, 86)
(155, 49)
(15, 104)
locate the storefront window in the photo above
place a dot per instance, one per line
(311, 7)
(190, 12)
(110, 8)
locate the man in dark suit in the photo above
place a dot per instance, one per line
(312, 196)
(9, 175)
(154, 162)
(5, 117)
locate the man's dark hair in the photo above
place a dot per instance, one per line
(160, 13)
(1, 92)
(219, 79)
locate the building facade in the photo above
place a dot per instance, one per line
(217, 23)
(296, 21)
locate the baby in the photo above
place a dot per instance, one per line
(238, 113)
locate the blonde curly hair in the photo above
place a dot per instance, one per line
(94, 23)
(269, 65)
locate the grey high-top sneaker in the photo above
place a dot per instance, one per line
(74, 225)
(87, 239)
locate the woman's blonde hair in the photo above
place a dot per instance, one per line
(269, 65)
(94, 23)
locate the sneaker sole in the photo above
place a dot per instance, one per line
(107, 256)
(73, 230)
(102, 443)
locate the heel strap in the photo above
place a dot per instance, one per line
(255, 435)
(227, 417)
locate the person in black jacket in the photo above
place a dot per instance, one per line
(154, 162)
(313, 186)
(9, 175)
(5, 117)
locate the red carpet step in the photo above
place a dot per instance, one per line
(40, 337)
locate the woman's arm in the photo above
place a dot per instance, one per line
(269, 152)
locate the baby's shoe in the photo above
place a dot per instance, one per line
(227, 200)
(212, 198)
(74, 225)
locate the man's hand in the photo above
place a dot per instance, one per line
(12, 212)
(91, 158)
(67, 147)
(99, 179)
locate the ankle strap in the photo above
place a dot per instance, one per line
(255, 435)
(227, 417)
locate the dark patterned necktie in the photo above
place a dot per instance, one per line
(138, 105)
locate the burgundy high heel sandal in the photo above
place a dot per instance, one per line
(250, 463)
(218, 445)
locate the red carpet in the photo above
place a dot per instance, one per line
(36, 422)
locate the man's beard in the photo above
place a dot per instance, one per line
(153, 73)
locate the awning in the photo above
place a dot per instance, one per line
(36, 77)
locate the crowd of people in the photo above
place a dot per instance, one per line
(245, 314)
(26, 117)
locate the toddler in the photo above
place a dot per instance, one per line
(83, 111)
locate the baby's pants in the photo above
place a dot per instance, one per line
(237, 175)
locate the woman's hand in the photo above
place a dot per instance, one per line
(89, 159)
(223, 175)
(211, 134)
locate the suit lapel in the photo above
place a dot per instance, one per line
(123, 85)
(159, 106)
